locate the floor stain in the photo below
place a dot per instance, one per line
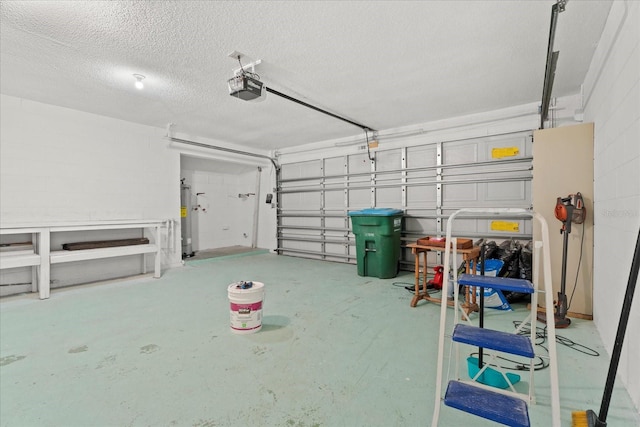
(80, 349)
(204, 423)
(109, 360)
(273, 394)
(259, 350)
(149, 349)
(10, 359)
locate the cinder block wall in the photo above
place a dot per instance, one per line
(612, 102)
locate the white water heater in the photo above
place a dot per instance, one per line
(185, 219)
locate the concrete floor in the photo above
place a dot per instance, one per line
(335, 349)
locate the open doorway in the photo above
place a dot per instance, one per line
(219, 207)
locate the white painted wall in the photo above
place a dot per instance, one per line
(612, 102)
(58, 164)
(222, 218)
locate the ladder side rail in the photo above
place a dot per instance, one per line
(551, 329)
(443, 320)
(533, 315)
(456, 295)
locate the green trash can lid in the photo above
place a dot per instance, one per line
(377, 212)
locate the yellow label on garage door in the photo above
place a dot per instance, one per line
(505, 226)
(498, 153)
(183, 211)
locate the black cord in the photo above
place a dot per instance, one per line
(541, 335)
(541, 338)
(517, 365)
(366, 133)
(402, 284)
(577, 269)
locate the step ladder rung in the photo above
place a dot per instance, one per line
(503, 283)
(495, 340)
(487, 404)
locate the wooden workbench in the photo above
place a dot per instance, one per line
(467, 255)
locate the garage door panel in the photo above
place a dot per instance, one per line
(460, 152)
(389, 197)
(301, 170)
(420, 225)
(508, 193)
(334, 166)
(331, 222)
(334, 200)
(421, 195)
(306, 246)
(389, 160)
(422, 156)
(291, 221)
(301, 201)
(359, 199)
(461, 194)
(428, 180)
(359, 163)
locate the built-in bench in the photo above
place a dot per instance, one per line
(43, 257)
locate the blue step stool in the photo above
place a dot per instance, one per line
(503, 283)
(487, 404)
(494, 340)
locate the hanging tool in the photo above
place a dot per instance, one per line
(569, 210)
(589, 418)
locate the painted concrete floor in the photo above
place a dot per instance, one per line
(335, 349)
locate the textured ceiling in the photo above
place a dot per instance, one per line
(384, 64)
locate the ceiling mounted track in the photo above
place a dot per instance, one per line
(225, 149)
(552, 61)
(297, 101)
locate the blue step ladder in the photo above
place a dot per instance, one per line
(490, 393)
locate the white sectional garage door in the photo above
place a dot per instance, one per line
(428, 182)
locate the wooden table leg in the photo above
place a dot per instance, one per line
(416, 295)
(470, 293)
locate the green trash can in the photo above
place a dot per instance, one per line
(377, 232)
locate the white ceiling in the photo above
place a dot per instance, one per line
(385, 64)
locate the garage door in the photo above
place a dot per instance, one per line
(428, 181)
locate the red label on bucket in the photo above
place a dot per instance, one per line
(244, 307)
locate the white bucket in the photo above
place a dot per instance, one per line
(246, 306)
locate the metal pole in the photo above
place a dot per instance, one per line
(622, 328)
(256, 210)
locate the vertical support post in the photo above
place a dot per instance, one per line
(403, 177)
(346, 206)
(439, 223)
(34, 269)
(157, 264)
(278, 209)
(44, 248)
(256, 209)
(373, 181)
(323, 223)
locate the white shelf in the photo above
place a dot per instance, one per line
(58, 257)
(43, 258)
(9, 260)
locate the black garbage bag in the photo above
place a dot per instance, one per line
(491, 249)
(525, 270)
(509, 251)
(526, 261)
